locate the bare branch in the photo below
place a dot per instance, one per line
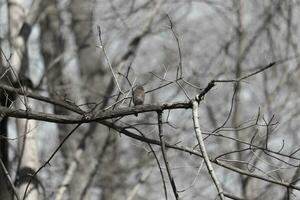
(164, 153)
(107, 60)
(203, 150)
(9, 180)
(50, 158)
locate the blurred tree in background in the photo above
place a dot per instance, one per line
(68, 128)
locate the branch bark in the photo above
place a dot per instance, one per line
(203, 149)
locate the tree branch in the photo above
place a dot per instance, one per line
(203, 149)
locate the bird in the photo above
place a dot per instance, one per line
(138, 96)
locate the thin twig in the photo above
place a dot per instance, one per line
(190, 151)
(179, 67)
(50, 158)
(164, 154)
(107, 60)
(263, 68)
(9, 180)
(157, 161)
(195, 179)
(184, 91)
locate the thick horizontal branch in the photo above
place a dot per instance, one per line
(63, 104)
(141, 109)
(40, 116)
(75, 119)
(88, 117)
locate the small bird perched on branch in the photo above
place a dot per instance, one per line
(138, 96)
